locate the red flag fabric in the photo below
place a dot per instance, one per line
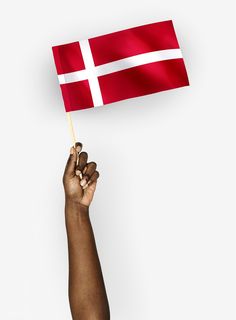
(120, 65)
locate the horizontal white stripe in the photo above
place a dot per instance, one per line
(119, 65)
(73, 76)
(91, 76)
(137, 60)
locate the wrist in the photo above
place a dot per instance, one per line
(74, 205)
(77, 220)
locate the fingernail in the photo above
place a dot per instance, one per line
(87, 184)
(85, 169)
(78, 172)
(78, 146)
(83, 182)
(72, 150)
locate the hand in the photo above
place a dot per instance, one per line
(80, 177)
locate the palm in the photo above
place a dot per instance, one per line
(75, 191)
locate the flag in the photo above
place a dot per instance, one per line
(120, 65)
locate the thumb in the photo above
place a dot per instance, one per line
(71, 163)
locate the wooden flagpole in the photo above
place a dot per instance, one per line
(72, 131)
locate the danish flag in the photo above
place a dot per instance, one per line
(120, 65)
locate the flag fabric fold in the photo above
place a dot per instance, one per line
(120, 65)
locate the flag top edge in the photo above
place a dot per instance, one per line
(120, 30)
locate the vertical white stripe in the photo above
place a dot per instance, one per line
(92, 78)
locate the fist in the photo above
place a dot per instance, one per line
(80, 177)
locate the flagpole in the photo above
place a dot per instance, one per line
(71, 127)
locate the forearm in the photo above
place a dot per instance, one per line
(87, 292)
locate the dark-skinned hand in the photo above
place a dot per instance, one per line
(80, 177)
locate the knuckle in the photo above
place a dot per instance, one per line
(83, 154)
(78, 144)
(92, 164)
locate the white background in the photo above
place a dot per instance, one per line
(163, 213)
